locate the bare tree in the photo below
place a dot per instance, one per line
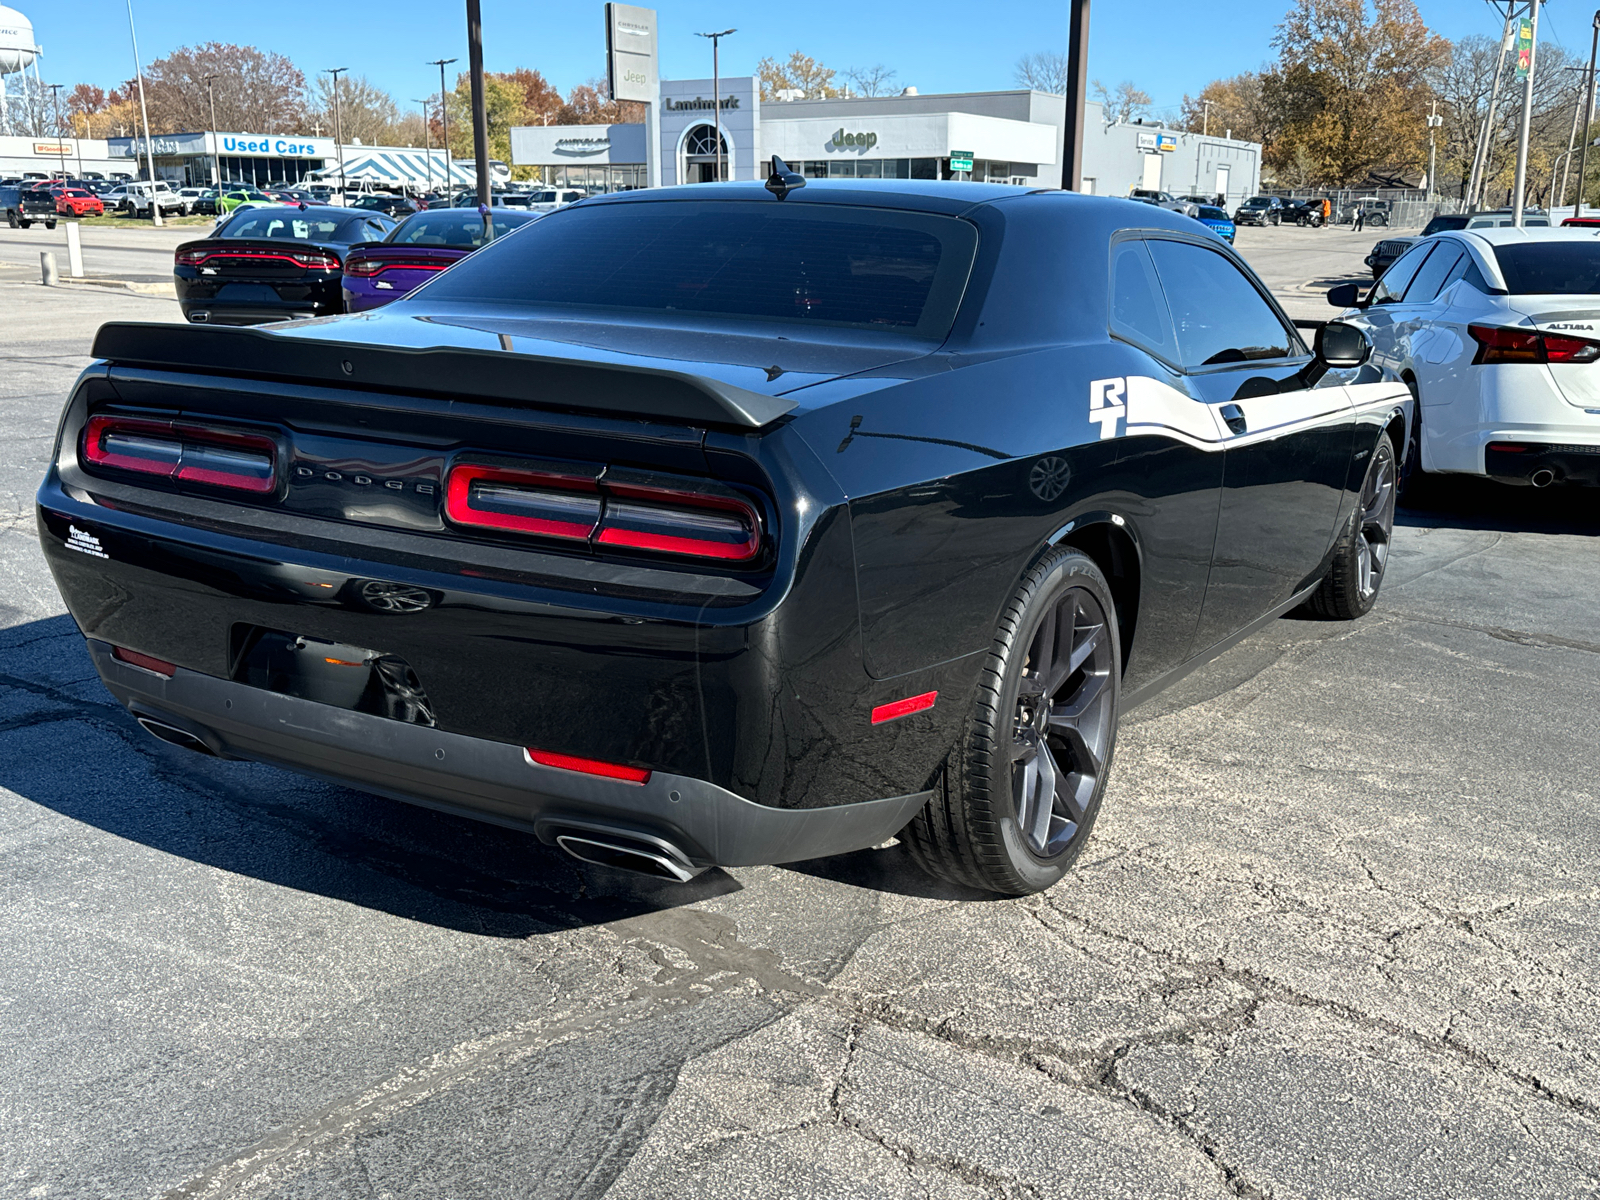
(256, 91)
(367, 113)
(1045, 71)
(1121, 104)
(872, 81)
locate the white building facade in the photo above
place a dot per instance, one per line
(1009, 137)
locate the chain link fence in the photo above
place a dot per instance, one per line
(1392, 208)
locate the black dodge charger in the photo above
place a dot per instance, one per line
(274, 263)
(730, 524)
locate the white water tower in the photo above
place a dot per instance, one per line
(18, 52)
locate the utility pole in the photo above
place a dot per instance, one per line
(1205, 120)
(1077, 81)
(338, 128)
(55, 99)
(1434, 121)
(216, 152)
(1559, 198)
(480, 115)
(1480, 160)
(427, 141)
(1520, 186)
(444, 117)
(716, 90)
(144, 114)
(1588, 116)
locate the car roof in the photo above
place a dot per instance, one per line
(1537, 233)
(925, 195)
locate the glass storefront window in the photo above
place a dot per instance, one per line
(842, 169)
(924, 168)
(869, 168)
(897, 168)
(814, 169)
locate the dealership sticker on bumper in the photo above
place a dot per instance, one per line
(84, 543)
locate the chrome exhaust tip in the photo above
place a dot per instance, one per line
(200, 317)
(623, 852)
(175, 736)
(1542, 478)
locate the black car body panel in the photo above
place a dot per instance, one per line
(900, 487)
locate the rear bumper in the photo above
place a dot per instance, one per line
(488, 780)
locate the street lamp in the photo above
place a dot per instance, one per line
(216, 160)
(144, 114)
(338, 132)
(1434, 121)
(444, 119)
(716, 89)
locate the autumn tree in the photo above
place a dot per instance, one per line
(800, 73)
(591, 104)
(255, 91)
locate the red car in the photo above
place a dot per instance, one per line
(1582, 222)
(75, 202)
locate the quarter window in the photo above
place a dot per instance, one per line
(1217, 313)
(1138, 312)
(1439, 268)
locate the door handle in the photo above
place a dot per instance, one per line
(1233, 417)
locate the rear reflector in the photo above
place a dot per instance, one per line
(1497, 344)
(588, 766)
(191, 453)
(694, 521)
(1509, 447)
(896, 709)
(134, 659)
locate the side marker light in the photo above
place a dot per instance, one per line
(896, 709)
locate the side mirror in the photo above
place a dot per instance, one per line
(1346, 295)
(1342, 345)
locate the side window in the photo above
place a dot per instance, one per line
(1217, 313)
(1473, 275)
(1439, 268)
(1391, 287)
(1138, 312)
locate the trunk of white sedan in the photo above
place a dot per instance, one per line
(1571, 329)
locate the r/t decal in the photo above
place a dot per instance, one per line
(1107, 402)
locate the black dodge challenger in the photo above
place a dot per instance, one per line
(729, 524)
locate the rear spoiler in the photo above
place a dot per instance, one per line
(495, 376)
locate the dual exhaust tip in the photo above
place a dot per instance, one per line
(620, 850)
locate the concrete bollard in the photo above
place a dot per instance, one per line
(74, 250)
(47, 268)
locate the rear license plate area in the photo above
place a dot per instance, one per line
(335, 673)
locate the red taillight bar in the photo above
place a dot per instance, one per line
(1498, 344)
(365, 268)
(177, 450)
(588, 766)
(692, 522)
(324, 260)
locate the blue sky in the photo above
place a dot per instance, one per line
(1167, 47)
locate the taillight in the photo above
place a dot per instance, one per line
(1497, 344)
(322, 260)
(316, 260)
(691, 521)
(189, 258)
(366, 267)
(245, 462)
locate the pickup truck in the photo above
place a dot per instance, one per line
(22, 206)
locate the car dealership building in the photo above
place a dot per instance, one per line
(1007, 137)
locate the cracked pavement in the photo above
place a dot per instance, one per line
(1334, 937)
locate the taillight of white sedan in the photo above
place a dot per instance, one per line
(1497, 332)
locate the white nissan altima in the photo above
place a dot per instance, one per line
(1497, 332)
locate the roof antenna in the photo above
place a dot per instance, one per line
(782, 181)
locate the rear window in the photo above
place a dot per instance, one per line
(450, 229)
(288, 223)
(1212, 213)
(799, 263)
(1564, 268)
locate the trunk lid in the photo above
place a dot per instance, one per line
(1569, 317)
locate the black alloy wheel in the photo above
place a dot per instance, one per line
(1350, 588)
(1023, 789)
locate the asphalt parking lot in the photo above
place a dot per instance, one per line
(1335, 935)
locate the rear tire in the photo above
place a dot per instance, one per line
(1024, 785)
(1350, 588)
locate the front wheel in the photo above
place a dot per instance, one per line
(1024, 785)
(1350, 588)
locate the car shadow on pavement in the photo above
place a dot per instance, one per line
(1466, 502)
(69, 747)
(889, 868)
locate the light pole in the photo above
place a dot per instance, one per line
(1520, 183)
(144, 114)
(1205, 120)
(216, 158)
(1077, 78)
(1557, 199)
(1588, 115)
(444, 119)
(427, 141)
(716, 89)
(338, 131)
(480, 113)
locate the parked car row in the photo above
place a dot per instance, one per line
(277, 262)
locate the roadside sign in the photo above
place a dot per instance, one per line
(1147, 141)
(631, 52)
(960, 160)
(1524, 48)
